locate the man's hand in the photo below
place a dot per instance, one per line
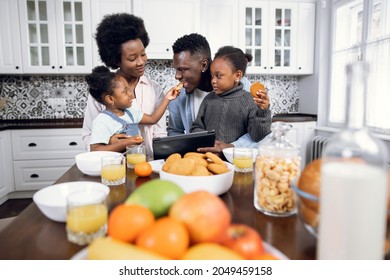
(217, 149)
(263, 100)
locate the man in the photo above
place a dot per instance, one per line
(191, 60)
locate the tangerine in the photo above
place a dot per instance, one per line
(166, 237)
(126, 222)
(143, 169)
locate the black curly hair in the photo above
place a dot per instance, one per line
(238, 59)
(101, 82)
(113, 31)
(194, 43)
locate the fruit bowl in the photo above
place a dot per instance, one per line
(228, 153)
(51, 200)
(216, 184)
(90, 162)
(308, 207)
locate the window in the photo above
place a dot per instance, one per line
(361, 31)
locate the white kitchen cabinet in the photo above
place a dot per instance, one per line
(219, 23)
(41, 156)
(6, 175)
(100, 8)
(279, 35)
(56, 36)
(166, 21)
(10, 51)
(301, 134)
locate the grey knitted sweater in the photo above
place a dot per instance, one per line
(232, 114)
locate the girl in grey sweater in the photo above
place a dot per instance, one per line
(229, 109)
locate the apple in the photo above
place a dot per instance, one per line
(244, 240)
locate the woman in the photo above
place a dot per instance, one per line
(122, 40)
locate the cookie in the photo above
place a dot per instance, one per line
(195, 154)
(214, 158)
(199, 170)
(217, 168)
(181, 166)
(255, 87)
(168, 162)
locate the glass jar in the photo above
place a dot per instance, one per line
(277, 164)
(353, 196)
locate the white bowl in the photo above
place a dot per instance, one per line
(228, 153)
(90, 162)
(216, 184)
(52, 200)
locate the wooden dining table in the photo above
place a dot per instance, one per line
(33, 236)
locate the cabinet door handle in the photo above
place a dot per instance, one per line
(17, 67)
(34, 176)
(32, 145)
(72, 144)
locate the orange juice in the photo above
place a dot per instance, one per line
(87, 218)
(243, 162)
(113, 172)
(133, 159)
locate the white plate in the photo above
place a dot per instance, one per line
(156, 165)
(82, 255)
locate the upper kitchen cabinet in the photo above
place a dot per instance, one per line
(219, 23)
(279, 35)
(56, 36)
(10, 52)
(166, 21)
(100, 8)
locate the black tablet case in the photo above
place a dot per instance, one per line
(182, 144)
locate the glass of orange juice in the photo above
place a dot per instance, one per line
(113, 170)
(135, 154)
(243, 159)
(86, 217)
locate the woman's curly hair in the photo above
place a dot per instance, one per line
(113, 31)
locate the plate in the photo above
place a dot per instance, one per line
(156, 165)
(82, 255)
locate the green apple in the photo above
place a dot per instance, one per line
(157, 195)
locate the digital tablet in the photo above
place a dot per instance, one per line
(182, 144)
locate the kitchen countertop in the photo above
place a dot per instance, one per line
(296, 117)
(78, 122)
(41, 123)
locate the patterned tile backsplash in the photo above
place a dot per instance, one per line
(58, 97)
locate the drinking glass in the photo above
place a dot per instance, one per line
(243, 159)
(113, 170)
(86, 217)
(135, 154)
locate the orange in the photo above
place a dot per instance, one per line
(266, 256)
(166, 237)
(143, 169)
(126, 222)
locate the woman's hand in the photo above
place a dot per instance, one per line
(263, 99)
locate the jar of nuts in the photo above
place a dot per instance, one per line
(276, 165)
